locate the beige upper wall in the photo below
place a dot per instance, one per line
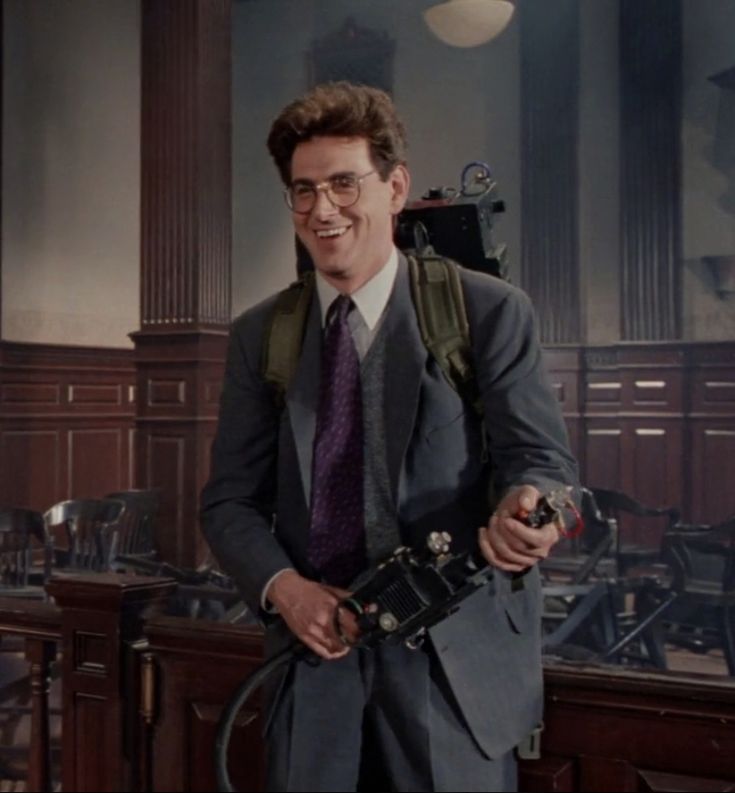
(71, 152)
(708, 179)
(71, 171)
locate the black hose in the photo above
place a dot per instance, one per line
(227, 720)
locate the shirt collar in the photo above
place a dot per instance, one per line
(371, 298)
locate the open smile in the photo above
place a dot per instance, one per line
(325, 234)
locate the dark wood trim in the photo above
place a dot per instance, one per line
(2, 149)
(29, 618)
(604, 727)
(191, 702)
(102, 616)
(185, 254)
(186, 204)
(612, 729)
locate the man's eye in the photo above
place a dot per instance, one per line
(302, 189)
(346, 182)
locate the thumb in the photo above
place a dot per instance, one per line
(528, 497)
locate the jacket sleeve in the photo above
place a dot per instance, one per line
(238, 500)
(527, 437)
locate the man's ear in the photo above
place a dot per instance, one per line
(400, 182)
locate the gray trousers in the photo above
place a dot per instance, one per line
(376, 720)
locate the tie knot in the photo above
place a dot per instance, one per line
(339, 309)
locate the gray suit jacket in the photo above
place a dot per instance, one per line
(255, 506)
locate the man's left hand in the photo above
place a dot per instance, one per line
(510, 545)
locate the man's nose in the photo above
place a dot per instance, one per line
(323, 207)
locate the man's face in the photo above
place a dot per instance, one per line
(348, 245)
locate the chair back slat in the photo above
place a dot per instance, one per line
(87, 525)
(135, 531)
(21, 532)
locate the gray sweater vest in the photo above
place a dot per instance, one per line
(381, 526)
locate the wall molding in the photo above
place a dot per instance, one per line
(67, 422)
(655, 420)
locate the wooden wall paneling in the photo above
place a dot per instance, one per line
(635, 427)
(30, 467)
(166, 435)
(603, 454)
(166, 454)
(177, 417)
(65, 417)
(711, 433)
(712, 470)
(564, 365)
(98, 461)
(652, 474)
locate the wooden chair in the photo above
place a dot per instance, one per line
(23, 533)
(702, 561)
(87, 528)
(621, 510)
(134, 534)
(25, 565)
(622, 621)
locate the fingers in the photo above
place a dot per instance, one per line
(309, 613)
(320, 635)
(325, 651)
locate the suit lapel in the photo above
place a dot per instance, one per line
(302, 397)
(406, 361)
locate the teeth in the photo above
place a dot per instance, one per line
(331, 232)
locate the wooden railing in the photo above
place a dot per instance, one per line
(142, 693)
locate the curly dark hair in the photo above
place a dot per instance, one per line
(340, 109)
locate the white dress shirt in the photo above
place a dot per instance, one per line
(370, 300)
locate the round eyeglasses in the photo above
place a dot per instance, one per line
(342, 190)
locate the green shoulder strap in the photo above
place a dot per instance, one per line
(440, 310)
(285, 334)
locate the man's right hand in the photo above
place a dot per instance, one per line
(308, 609)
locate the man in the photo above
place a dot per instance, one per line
(374, 448)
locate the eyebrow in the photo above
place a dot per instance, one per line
(329, 178)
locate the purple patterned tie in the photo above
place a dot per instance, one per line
(337, 530)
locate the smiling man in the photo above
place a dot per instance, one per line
(373, 449)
